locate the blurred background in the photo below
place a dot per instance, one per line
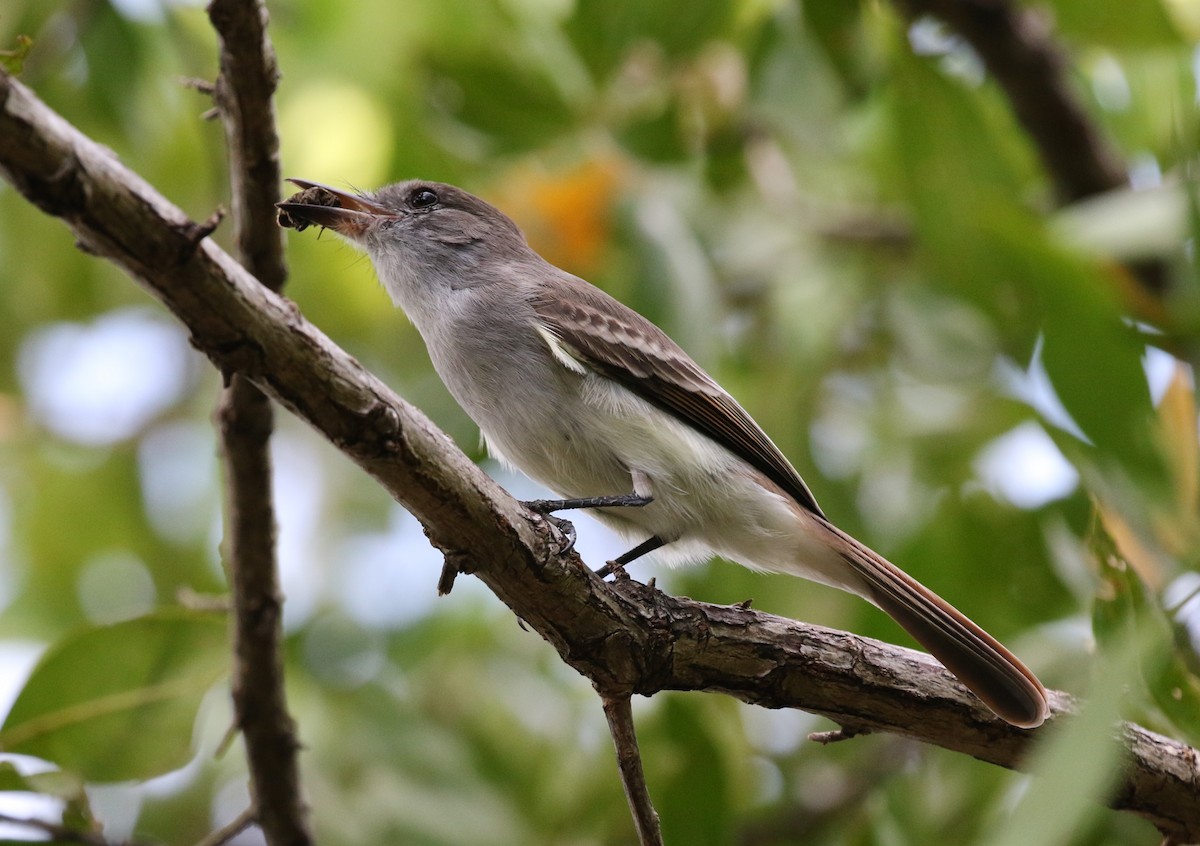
(831, 207)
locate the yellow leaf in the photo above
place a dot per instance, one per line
(1177, 414)
(1130, 547)
(567, 215)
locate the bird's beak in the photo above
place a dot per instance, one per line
(321, 205)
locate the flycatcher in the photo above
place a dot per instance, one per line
(592, 400)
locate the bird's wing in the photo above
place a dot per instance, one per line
(611, 339)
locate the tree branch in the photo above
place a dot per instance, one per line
(622, 636)
(618, 711)
(243, 96)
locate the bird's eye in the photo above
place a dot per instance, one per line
(422, 198)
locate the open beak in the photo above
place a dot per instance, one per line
(322, 205)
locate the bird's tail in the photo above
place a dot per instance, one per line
(979, 661)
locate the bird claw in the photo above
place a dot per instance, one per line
(565, 530)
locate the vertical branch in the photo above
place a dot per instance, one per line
(243, 96)
(244, 93)
(619, 712)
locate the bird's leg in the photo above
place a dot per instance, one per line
(546, 506)
(565, 527)
(632, 500)
(617, 565)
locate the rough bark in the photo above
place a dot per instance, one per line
(243, 94)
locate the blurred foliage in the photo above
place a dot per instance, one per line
(834, 211)
(95, 696)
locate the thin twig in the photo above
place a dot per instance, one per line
(619, 711)
(243, 95)
(60, 832)
(204, 86)
(836, 735)
(230, 830)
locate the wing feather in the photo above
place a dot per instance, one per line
(620, 344)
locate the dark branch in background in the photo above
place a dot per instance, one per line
(622, 636)
(243, 96)
(1015, 45)
(1017, 48)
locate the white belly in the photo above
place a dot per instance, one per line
(705, 500)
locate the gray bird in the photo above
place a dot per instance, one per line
(592, 400)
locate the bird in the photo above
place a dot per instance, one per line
(588, 397)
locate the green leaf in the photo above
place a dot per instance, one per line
(1128, 224)
(691, 780)
(1124, 612)
(656, 137)
(118, 702)
(14, 60)
(1115, 24)
(980, 240)
(519, 105)
(835, 29)
(64, 785)
(1084, 336)
(1075, 764)
(604, 32)
(69, 787)
(11, 778)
